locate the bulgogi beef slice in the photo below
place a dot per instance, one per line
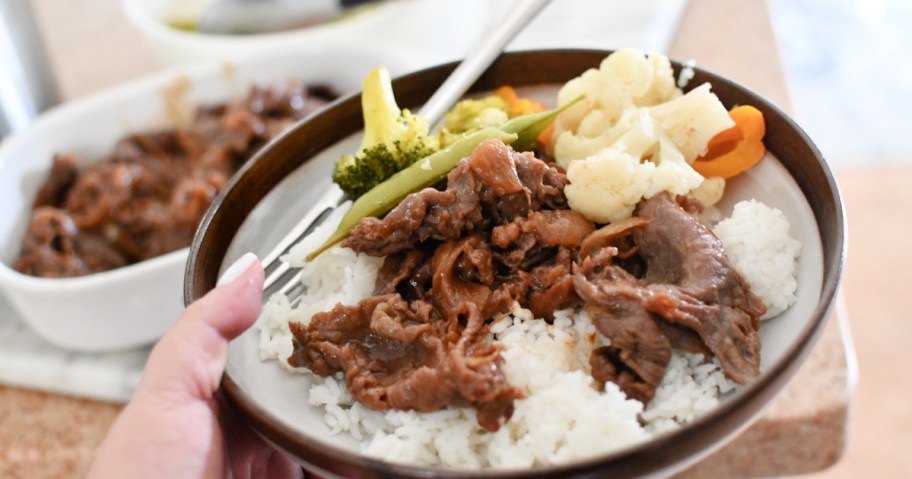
(689, 297)
(639, 352)
(691, 283)
(684, 338)
(551, 286)
(534, 256)
(402, 355)
(462, 273)
(527, 241)
(56, 248)
(148, 196)
(544, 181)
(493, 184)
(407, 273)
(64, 171)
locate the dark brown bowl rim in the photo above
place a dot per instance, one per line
(665, 452)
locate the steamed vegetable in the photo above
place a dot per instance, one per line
(488, 112)
(472, 115)
(428, 171)
(624, 80)
(520, 132)
(648, 154)
(393, 139)
(635, 136)
(517, 106)
(737, 149)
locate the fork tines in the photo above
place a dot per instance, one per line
(281, 277)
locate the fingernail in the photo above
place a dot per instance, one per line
(237, 269)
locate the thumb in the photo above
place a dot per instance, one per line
(190, 358)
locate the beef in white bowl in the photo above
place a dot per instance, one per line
(134, 304)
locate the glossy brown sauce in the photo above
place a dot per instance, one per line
(148, 196)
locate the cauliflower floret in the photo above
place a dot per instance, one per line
(643, 161)
(672, 174)
(692, 120)
(710, 191)
(607, 186)
(634, 136)
(626, 79)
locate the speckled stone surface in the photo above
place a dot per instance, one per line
(47, 435)
(805, 430)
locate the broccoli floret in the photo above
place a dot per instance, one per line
(489, 112)
(393, 139)
(472, 115)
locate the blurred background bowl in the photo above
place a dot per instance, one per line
(428, 27)
(136, 304)
(273, 190)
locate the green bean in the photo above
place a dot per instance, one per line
(530, 126)
(521, 132)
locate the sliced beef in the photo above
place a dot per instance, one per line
(462, 273)
(148, 196)
(639, 353)
(64, 171)
(407, 273)
(420, 342)
(702, 304)
(550, 287)
(691, 283)
(527, 241)
(534, 255)
(56, 248)
(493, 185)
(402, 355)
(684, 338)
(501, 233)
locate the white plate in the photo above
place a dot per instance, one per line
(284, 395)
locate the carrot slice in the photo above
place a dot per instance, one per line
(737, 149)
(518, 106)
(524, 106)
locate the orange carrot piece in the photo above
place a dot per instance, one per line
(730, 153)
(518, 106)
(523, 106)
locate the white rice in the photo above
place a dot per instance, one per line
(757, 243)
(563, 417)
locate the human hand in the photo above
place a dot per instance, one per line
(177, 425)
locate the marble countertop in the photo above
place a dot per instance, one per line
(56, 410)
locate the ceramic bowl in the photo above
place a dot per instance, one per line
(133, 305)
(272, 191)
(393, 24)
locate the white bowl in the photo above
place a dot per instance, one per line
(133, 305)
(429, 30)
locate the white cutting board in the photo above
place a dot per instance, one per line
(28, 361)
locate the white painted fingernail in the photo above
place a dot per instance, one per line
(237, 269)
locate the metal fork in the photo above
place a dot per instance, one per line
(281, 277)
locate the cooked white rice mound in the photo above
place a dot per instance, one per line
(758, 245)
(563, 417)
